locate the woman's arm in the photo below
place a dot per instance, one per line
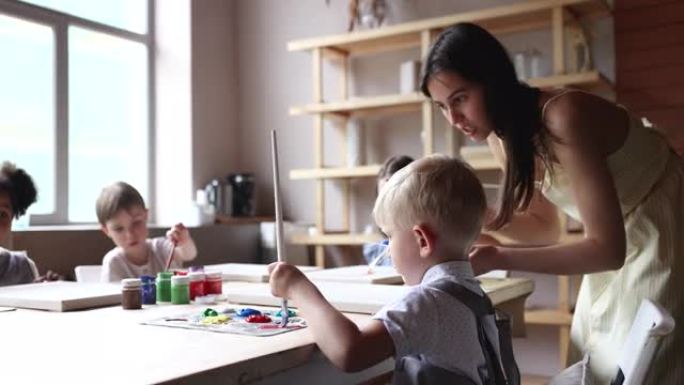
(579, 122)
(347, 346)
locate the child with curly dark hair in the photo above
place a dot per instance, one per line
(17, 193)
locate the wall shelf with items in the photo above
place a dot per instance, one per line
(555, 15)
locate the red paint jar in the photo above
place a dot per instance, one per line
(213, 283)
(196, 285)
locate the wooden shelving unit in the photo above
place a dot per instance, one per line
(558, 16)
(230, 220)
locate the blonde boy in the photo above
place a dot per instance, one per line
(431, 211)
(123, 218)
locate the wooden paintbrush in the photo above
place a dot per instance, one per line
(170, 258)
(379, 257)
(280, 249)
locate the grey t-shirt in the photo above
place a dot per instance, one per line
(434, 324)
(16, 268)
(115, 265)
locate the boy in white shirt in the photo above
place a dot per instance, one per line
(122, 215)
(432, 212)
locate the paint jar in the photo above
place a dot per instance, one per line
(149, 290)
(180, 289)
(196, 285)
(214, 283)
(131, 294)
(164, 286)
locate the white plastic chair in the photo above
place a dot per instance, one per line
(88, 273)
(651, 323)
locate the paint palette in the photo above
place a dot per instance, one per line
(232, 320)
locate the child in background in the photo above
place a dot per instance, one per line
(373, 251)
(17, 193)
(432, 212)
(122, 215)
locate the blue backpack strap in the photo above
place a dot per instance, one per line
(481, 306)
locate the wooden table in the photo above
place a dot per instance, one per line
(110, 346)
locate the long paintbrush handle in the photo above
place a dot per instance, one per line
(280, 249)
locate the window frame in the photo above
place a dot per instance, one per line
(60, 22)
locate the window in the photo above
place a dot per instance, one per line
(75, 100)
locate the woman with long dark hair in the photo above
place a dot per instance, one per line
(589, 157)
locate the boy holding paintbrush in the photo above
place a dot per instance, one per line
(443, 330)
(122, 215)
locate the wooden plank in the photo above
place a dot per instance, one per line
(336, 172)
(398, 103)
(368, 299)
(386, 275)
(661, 97)
(648, 17)
(661, 36)
(428, 129)
(479, 158)
(557, 16)
(553, 317)
(335, 239)
(360, 103)
(229, 220)
(651, 58)
(506, 17)
(247, 272)
(61, 295)
(672, 75)
(630, 4)
(563, 345)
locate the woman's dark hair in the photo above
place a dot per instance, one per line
(393, 164)
(18, 184)
(513, 107)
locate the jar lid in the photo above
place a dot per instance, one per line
(214, 275)
(146, 279)
(196, 276)
(180, 279)
(130, 282)
(165, 274)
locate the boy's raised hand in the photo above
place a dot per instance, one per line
(286, 279)
(178, 234)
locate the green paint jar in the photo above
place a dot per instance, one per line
(164, 286)
(180, 289)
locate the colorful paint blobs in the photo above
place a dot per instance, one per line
(258, 319)
(290, 313)
(216, 320)
(246, 312)
(209, 312)
(245, 321)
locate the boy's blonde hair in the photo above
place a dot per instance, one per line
(115, 197)
(438, 190)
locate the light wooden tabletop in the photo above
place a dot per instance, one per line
(110, 345)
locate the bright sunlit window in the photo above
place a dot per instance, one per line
(75, 100)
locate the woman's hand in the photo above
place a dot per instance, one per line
(484, 258)
(286, 280)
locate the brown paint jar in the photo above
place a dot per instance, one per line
(131, 293)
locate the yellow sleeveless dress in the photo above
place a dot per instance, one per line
(649, 179)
